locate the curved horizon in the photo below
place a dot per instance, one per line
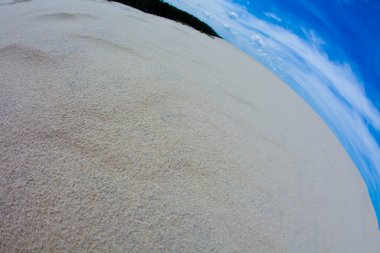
(326, 52)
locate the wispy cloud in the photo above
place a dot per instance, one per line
(272, 16)
(332, 89)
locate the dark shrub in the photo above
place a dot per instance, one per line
(162, 9)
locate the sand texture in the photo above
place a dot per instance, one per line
(124, 132)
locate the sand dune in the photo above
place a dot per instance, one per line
(122, 131)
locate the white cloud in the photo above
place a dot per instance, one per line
(272, 16)
(233, 15)
(258, 40)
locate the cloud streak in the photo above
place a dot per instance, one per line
(333, 89)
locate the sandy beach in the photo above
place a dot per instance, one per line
(124, 132)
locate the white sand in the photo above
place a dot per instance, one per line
(122, 131)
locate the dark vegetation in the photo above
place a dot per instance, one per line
(162, 9)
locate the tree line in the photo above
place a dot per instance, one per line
(162, 9)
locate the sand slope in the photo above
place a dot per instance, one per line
(122, 131)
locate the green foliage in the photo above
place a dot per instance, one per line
(162, 9)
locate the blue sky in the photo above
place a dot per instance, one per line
(328, 51)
